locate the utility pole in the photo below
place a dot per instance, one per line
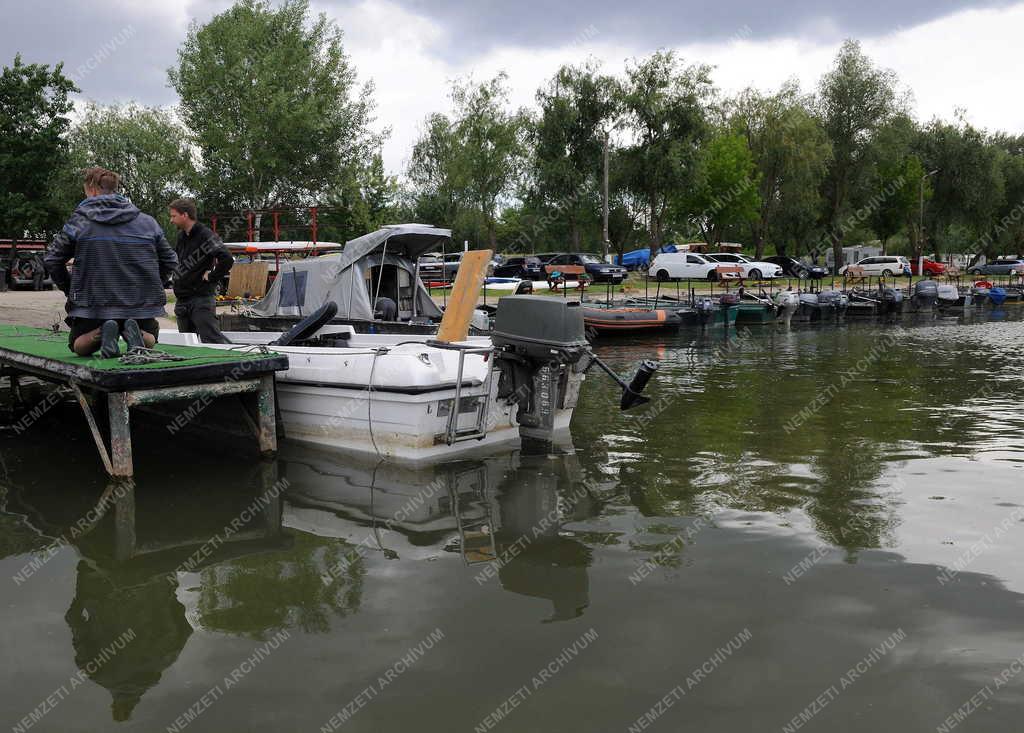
(920, 219)
(604, 200)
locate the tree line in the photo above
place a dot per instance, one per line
(271, 115)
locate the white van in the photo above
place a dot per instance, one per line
(684, 266)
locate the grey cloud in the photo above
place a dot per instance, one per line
(475, 26)
(125, 50)
(114, 51)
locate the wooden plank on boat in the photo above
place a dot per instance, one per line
(248, 280)
(462, 301)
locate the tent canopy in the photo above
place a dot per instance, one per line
(381, 264)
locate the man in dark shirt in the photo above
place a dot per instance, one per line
(202, 261)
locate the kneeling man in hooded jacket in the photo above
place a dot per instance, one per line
(121, 262)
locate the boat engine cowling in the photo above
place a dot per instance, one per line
(947, 293)
(705, 308)
(543, 356)
(828, 299)
(892, 300)
(926, 293)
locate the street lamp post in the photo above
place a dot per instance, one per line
(606, 244)
(920, 222)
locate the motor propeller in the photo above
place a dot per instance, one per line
(631, 396)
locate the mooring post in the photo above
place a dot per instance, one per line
(267, 415)
(120, 435)
(124, 516)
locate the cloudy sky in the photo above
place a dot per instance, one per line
(951, 54)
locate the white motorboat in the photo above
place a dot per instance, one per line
(413, 398)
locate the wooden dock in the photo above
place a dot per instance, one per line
(198, 374)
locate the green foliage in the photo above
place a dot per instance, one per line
(576, 108)
(970, 188)
(465, 166)
(664, 107)
(363, 202)
(272, 103)
(726, 190)
(855, 99)
(34, 109)
(792, 153)
(491, 145)
(146, 146)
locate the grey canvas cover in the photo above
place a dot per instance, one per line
(350, 277)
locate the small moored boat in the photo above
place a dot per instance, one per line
(628, 320)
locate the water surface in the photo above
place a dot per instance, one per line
(813, 529)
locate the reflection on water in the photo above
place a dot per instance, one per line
(904, 459)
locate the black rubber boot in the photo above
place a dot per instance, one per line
(133, 335)
(110, 334)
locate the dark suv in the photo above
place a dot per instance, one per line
(528, 268)
(596, 268)
(792, 267)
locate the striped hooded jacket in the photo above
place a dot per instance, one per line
(121, 259)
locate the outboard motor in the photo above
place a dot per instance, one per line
(705, 310)
(926, 295)
(947, 295)
(828, 303)
(808, 307)
(543, 357)
(786, 303)
(892, 301)
(844, 303)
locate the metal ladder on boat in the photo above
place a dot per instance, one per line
(452, 433)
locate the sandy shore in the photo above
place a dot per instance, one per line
(42, 309)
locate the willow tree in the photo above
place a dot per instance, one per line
(663, 105)
(791, 153)
(855, 99)
(576, 108)
(273, 104)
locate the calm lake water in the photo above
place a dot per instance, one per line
(816, 529)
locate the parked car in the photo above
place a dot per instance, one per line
(931, 267)
(999, 267)
(431, 267)
(752, 269)
(27, 271)
(527, 267)
(882, 266)
(596, 268)
(545, 256)
(451, 265)
(683, 266)
(792, 267)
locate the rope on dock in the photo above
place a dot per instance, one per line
(141, 355)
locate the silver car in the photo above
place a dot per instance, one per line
(999, 267)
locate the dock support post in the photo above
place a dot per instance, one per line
(124, 515)
(120, 435)
(267, 416)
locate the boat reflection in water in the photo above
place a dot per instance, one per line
(286, 545)
(504, 514)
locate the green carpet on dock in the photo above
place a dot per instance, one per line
(48, 344)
